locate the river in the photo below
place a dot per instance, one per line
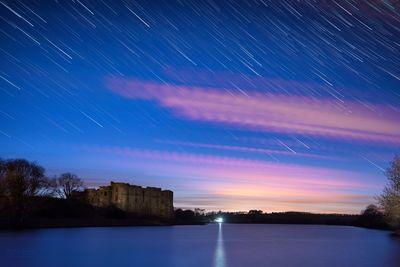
(216, 245)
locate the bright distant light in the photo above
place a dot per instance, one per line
(219, 220)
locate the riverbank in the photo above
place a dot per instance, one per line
(53, 212)
(43, 223)
(77, 223)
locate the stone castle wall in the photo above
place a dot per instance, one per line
(132, 198)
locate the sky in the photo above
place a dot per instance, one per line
(233, 105)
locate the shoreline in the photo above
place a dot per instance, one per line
(146, 223)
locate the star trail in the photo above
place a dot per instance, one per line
(234, 105)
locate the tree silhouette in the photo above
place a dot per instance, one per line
(389, 200)
(2, 177)
(66, 184)
(371, 210)
(20, 180)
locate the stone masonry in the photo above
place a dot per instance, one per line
(132, 198)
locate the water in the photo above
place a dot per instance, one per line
(211, 245)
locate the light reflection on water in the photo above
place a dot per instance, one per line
(219, 260)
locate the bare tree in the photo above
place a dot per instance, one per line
(66, 184)
(389, 200)
(20, 180)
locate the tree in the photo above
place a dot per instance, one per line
(20, 180)
(199, 212)
(371, 210)
(66, 184)
(2, 185)
(393, 174)
(2, 177)
(255, 212)
(389, 200)
(371, 217)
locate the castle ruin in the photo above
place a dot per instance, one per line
(132, 198)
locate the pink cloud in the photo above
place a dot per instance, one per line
(241, 183)
(269, 112)
(238, 168)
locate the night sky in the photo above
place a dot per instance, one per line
(233, 105)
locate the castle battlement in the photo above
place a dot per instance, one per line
(133, 198)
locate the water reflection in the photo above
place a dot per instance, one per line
(219, 258)
(233, 245)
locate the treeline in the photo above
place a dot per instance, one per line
(370, 218)
(25, 189)
(255, 216)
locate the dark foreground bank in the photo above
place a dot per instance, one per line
(48, 212)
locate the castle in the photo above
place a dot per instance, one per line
(132, 198)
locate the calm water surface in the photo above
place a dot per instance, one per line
(210, 245)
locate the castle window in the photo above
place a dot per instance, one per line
(105, 193)
(116, 198)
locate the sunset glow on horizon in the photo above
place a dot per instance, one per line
(257, 110)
